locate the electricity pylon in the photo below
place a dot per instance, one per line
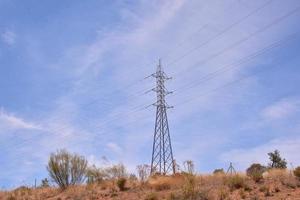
(231, 170)
(162, 156)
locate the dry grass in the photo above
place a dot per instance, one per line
(277, 184)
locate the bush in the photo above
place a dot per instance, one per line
(255, 171)
(143, 172)
(235, 182)
(297, 172)
(151, 196)
(121, 182)
(66, 169)
(190, 189)
(223, 194)
(116, 171)
(95, 175)
(219, 171)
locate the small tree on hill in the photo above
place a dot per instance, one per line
(143, 172)
(276, 160)
(66, 169)
(116, 171)
(95, 175)
(189, 167)
(45, 183)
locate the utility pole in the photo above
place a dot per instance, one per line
(162, 155)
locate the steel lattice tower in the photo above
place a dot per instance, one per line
(231, 170)
(162, 156)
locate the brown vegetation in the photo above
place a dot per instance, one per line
(68, 171)
(275, 184)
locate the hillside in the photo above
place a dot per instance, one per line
(276, 184)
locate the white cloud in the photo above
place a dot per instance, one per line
(242, 158)
(9, 120)
(114, 147)
(281, 109)
(159, 33)
(127, 50)
(9, 37)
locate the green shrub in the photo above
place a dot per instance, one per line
(219, 171)
(121, 182)
(297, 172)
(66, 169)
(255, 171)
(276, 161)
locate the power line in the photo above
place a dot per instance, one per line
(220, 33)
(221, 87)
(188, 100)
(276, 21)
(138, 81)
(236, 64)
(198, 30)
(237, 43)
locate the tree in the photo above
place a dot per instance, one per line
(189, 166)
(255, 171)
(116, 171)
(95, 175)
(143, 172)
(45, 183)
(66, 169)
(276, 160)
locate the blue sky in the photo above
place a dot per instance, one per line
(71, 76)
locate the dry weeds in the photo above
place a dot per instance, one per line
(277, 184)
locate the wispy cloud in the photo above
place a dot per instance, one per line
(119, 55)
(281, 109)
(114, 147)
(8, 37)
(11, 121)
